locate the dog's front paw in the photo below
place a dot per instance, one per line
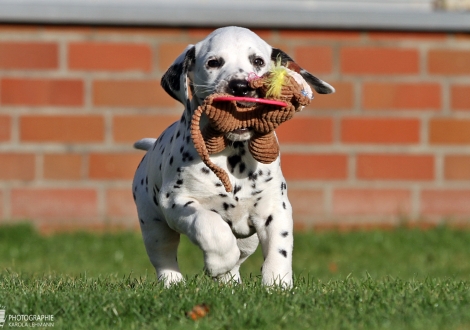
(169, 277)
(218, 264)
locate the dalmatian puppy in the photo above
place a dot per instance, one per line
(176, 193)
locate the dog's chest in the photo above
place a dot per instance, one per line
(254, 188)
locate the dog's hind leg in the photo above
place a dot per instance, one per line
(161, 243)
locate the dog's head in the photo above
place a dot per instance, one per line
(221, 63)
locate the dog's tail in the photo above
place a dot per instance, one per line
(145, 144)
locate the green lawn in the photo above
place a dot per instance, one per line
(400, 279)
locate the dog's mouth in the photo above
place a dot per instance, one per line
(241, 134)
(248, 102)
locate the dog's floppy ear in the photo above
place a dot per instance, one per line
(174, 81)
(318, 85)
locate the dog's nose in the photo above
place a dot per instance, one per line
(239, 87)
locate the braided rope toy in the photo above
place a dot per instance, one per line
(283, 92)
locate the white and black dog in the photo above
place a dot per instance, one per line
(176, 193)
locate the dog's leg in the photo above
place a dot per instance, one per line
(246, 246)
(161, 243)
(276, 236)
(207, 230)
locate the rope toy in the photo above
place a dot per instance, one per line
(282, 93)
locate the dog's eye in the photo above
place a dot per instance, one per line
(258, 62)
(214, 63)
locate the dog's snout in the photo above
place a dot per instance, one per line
(239, 87)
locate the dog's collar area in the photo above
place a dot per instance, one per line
(249, 100)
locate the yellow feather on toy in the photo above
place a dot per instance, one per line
(276, 79)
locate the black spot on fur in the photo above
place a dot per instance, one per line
(268, 220)
(171, 160)
(268, 179)
(256, 192)
(284, 205)
(260, 172)
(173, 206)
(155, 200)
(187, 139)
(214, 211)
(284, 234)
(141, 221)
(188, 203)
(205, 170)
(229, 223)
(179, 181)
(176, 186)
(233, 161)
(179, 170)
(252, 176)
(242, 167)
(146, 180)
(142, 182)
(181, 149)
(167, 194)
(133, 194)
(226, 206)
(178, 134)
(218, 184)
(236, 189)
(223, 195)
(283, 252)
(156, 220)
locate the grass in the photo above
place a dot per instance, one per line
(400, 279)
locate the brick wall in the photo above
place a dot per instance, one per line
(392, 144)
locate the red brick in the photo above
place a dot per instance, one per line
(410, 96)
(53, 203)
(395, 167)
(371, 202)
(457, 167)
(17, 166)
(306, 130)
(133, 128)
(130, 93)
(120, 204)
(449, 131)
(28, 55)
(407, 36)
(306, 204)
(445, 202)
(41, 92)
(371, 60)
(112, 166)
(58, 128)
(142, 30)
(5, 128)
(168, 52)
(343, 98)
(83, 31)
(380, 130)
(448, 61)
(62, 166)
(460, 97)
(314, 166)
(315, 59)
(109, 56)
(16, 28)
(320, 35)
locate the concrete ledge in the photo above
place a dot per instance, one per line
(255, 14)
